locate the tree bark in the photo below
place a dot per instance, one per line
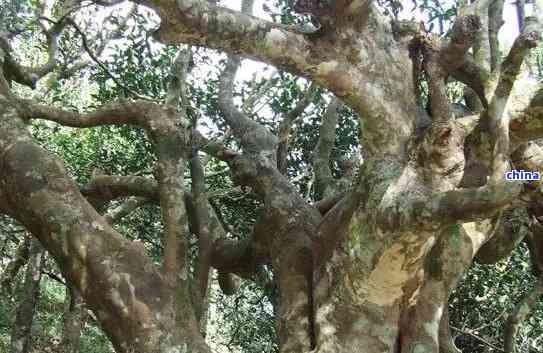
(142, 311)
(522, 310)
(73, 322)
(21, 333)
(374, 272)
(21, 257)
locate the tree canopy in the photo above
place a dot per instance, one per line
(270, 176)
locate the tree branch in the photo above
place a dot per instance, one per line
(101, 65)
(495, 14)
(241, 257)
(327, 204)
(335, 14)
(12, 268)
(177, 90)
(107, 187)
(482, 340)
(203, 23)
(334, 225)
(29, 76)
(200, 226)
(228, 255)
(474, 203)
(498, 122)
(74, 65)
(285, 127)
(117, 113)
(213, 148)
(521, 311)
(453, 206)
(347, 67)
(481, 48)
(252, 135)
(463, 34)
(321, 155)
(474, 76)
(125, 209)
(512, 229)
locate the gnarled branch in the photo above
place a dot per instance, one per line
(498, 123)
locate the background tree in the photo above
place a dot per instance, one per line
(175, 168)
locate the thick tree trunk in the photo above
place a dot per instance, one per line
(393, 302)
(21, 333)
(374, 282)
(386, 291)
(139, 309)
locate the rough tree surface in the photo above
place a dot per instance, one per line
(369, 268)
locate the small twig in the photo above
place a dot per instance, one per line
(480, 339)
(54, 277)
(491, 321)
(102, 66)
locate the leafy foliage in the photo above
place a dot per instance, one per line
(244, 322)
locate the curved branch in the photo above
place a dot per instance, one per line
(203, 23)
(349, 67)
(213, 147)
(327, 204)
(334, 225)
(122, 112)
(440, 61)
(463, 34)
(252, 135)
(234, 256)
(498, 122)
(474, 76)
(107, 187)
(512, 229)
(29, 76)
(237, 256)
(473, 203)
(481, 48)
(100, 64)
(458, 205)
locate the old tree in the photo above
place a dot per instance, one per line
(368, 262)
